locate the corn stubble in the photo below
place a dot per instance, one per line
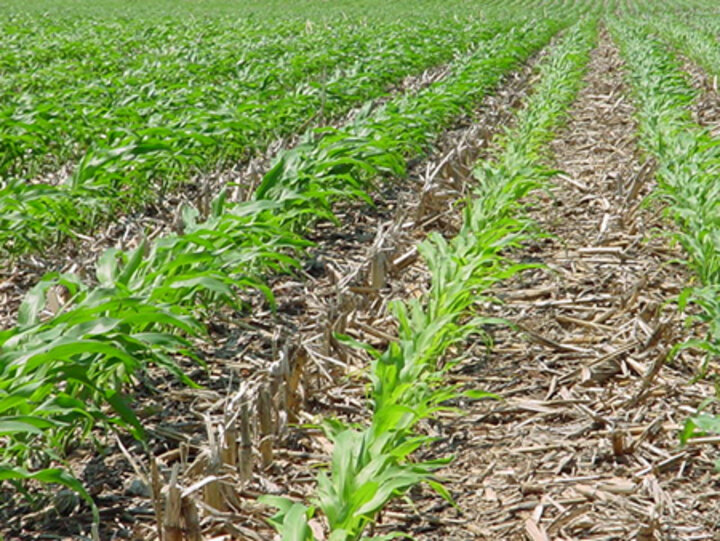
(135, 128)
(371, 466)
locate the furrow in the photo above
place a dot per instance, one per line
(584, 438)
(454, 100)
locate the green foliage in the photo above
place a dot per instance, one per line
(139, 118)
(688, 159)
(371, 466)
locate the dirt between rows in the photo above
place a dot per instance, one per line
(584, 441)
(355, 269)
(583, 444)
(162, 216)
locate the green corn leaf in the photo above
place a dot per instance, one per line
(24, 424)
(32, 305)
(107, 267)
(295, 525)
(134, 260)
(476, 394)
(53, 475)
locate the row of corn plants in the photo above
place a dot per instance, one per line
(699, 44)
(172, 87)
(139, 164)
(315, 11)
(38, 57)
(688, 167)
(41, 51)
(373, 464)
(64, 368)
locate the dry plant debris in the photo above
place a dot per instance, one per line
(584, 442)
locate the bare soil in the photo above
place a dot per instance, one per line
(584, 441)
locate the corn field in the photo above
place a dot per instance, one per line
(359, 271)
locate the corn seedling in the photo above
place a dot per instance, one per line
(371, 466)
(687, 168)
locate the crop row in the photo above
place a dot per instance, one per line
(63, 368)
(314, 11)
(39, 51)
(68, 89)
(139, 164)
(167, 88)
(37, 57)
(687, 172)
(371, 466)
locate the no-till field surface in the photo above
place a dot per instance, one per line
(584, 441)
(584, 444)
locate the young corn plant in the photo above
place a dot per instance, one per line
(67, 365)
(688, 166)
(371, 466)
(385, 139)
(128, 160)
